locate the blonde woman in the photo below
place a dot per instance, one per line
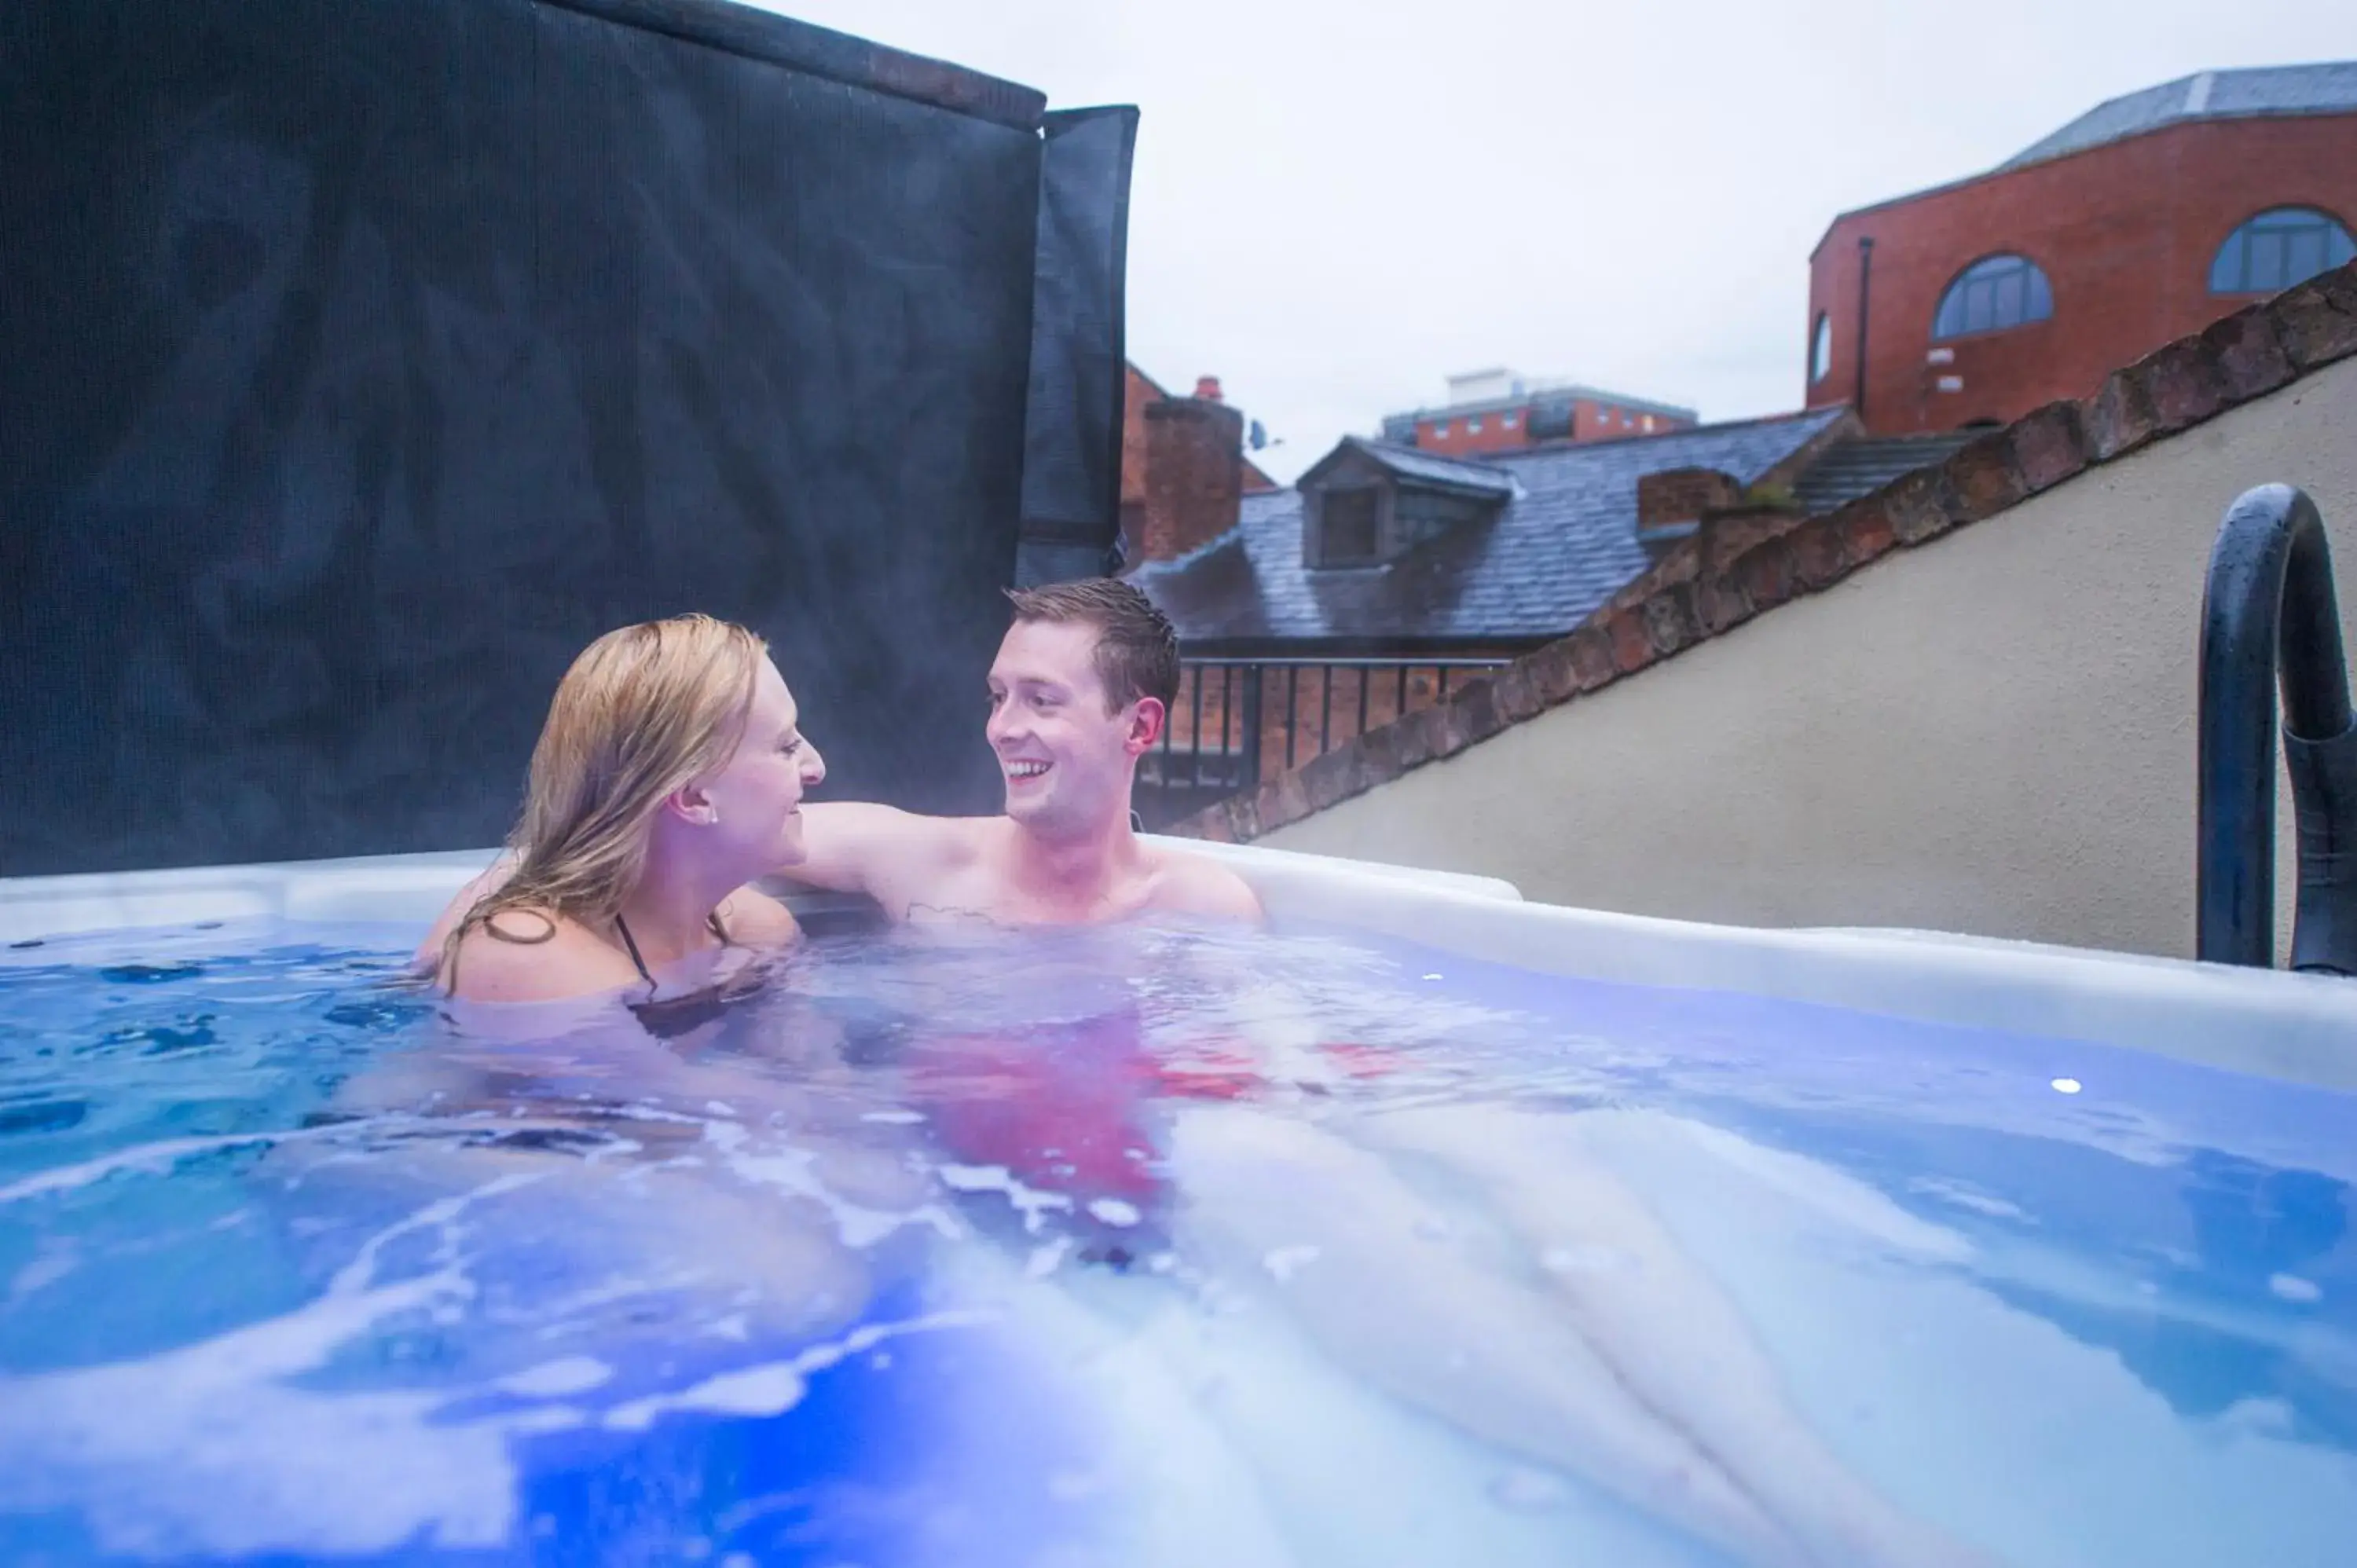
(668, 775)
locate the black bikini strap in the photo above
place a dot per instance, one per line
(713, 919)
(644, 973)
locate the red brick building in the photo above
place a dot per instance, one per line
(1500, 411)
(2139, 223)
(1183, 467)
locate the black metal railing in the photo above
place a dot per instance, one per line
(1239, 722)
(2269, 621)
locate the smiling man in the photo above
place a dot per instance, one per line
(1081, 690)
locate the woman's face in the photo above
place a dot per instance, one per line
(755, 799)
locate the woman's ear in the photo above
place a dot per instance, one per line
(693, 803)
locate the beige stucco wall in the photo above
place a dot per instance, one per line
(1991, 734)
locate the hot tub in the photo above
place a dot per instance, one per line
(1434, 1227)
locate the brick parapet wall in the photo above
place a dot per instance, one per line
(2242, 357)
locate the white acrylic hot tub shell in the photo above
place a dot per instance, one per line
(2299, 1028)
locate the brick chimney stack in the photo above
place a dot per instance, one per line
(1709, 507)
(1194, 473)
(1673, 501)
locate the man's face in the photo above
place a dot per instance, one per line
(1066, 758)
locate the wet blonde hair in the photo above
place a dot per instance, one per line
(643, 711)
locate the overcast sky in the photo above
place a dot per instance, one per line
(1336, 205)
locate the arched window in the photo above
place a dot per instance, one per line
(1821, 348)
(1992, 293)
(2280, 247)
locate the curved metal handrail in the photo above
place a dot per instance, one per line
(2269, 619)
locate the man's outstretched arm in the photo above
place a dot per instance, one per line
(853, 846)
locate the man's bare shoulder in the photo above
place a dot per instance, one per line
(1197, 885)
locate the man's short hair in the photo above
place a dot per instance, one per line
(1137, 647)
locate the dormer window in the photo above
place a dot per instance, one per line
(1367, 502)
(1347, 527)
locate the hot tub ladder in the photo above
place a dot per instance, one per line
(2269, 619)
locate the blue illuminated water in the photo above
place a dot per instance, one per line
(1141, 1248)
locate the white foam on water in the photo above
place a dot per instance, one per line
(2291, 1287)
(550, 1380)
(213, 1448)
(792, 1170)
(773, 1388)
(158, 1157)
(227, 1447)
(1281, 1261)
(1032, 1203)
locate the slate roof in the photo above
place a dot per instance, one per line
(2326, 89)
(1563, 544)
(1850, 469)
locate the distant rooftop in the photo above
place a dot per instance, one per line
(1564, 540)
(2326, 89)
(1415, 463)
(1483, 391)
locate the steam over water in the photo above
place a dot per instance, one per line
(1139, 1246)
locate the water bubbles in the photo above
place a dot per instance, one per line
(552, 1379)
(2291, 1287)
(1284, 1262)
(1525, 1490)
(1587, 1260)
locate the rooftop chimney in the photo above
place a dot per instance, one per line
(1194, 464)
(1673, 502)
(1709, 506)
